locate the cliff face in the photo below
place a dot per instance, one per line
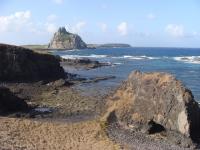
(65, 40)
(19, 64)
(155, 98)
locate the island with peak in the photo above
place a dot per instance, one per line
(64, 40)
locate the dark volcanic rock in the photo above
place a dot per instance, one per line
(19, 64)
(10, 103)
(65, 40)
(83, 63)
(157, 100)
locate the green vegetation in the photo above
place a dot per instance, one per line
(35, 46)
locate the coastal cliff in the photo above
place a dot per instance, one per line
(65, 40)
(21, 64)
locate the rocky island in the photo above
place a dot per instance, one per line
(66, 40)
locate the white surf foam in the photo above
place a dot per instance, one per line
(188, 59)
(117, 63)
(106, 56)
(97, 56)
(83, 56)
(72, 50)
(139, 57)
(185, 59)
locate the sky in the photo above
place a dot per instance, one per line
(141, 23)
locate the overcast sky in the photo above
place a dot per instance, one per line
(162, 23)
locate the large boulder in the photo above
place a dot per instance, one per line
(65, 40)
(20, 64)
(10, 103)
(156, 99)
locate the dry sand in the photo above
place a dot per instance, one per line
(20, 134)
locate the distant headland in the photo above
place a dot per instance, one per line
(64, 40)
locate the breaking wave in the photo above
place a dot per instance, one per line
(139, 57)
(106, 56)
(185, 59)
(189, 59)
(83, 56)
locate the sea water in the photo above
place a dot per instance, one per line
(183, 63)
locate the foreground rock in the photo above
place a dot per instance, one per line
(155, 102)
(10, 103)
(20, 64)
(65, 40)
(83, 63)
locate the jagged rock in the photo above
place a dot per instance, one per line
(156, 99)
(84, 63)
(65, 40)
(20, 64)
(10, 103)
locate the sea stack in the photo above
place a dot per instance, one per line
(66, 40)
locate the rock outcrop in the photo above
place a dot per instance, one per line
(83, 63)
(65, 40)
(18, 64)
(157, 100)
(10, 103)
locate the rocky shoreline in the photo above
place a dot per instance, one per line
(83, 63)
(39, 107)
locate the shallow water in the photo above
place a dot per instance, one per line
(183, 63)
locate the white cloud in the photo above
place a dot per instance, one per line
(58, 1)
(103, 27)
(175, 30)
(122, 28)
(77, 28)
(51, 28)
(51, 18)
(21, 22)
(15, 22)
(151, 16)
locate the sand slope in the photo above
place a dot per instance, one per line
(21, 134)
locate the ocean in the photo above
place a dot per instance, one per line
(183, 63)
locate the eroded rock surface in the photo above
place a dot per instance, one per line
(10, 102)
(157, 98)
(20, 64)
(83, 63)
(65, 40)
